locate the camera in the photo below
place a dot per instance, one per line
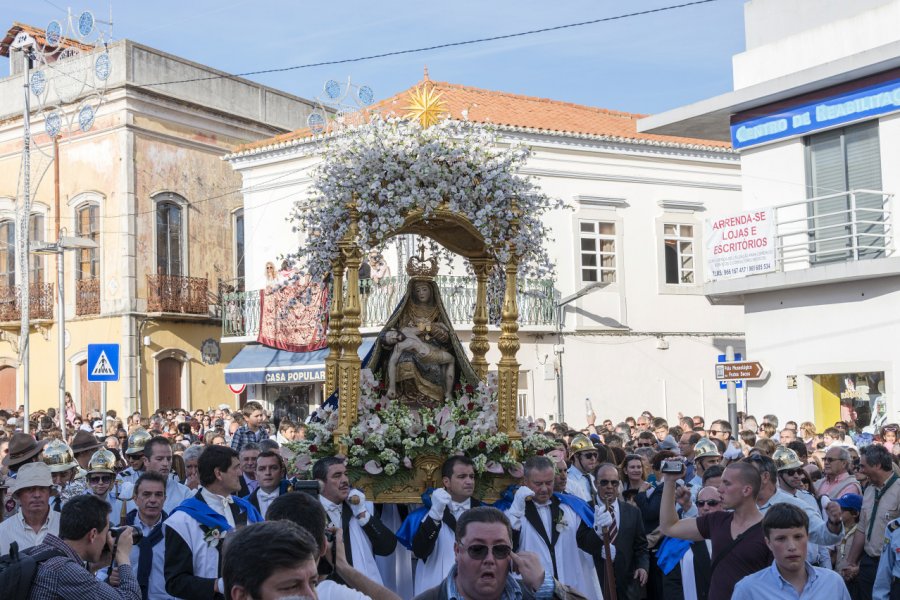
(136, 534)
(673, 465)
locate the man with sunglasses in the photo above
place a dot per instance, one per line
(485, 560)
(837, 481)
(695, 567)
(583, 455)
(548, 525)
(629, 549)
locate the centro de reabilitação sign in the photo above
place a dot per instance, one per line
(740, 245)
(845, 108)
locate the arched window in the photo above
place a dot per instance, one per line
(7, 253)
(87, 226)
(170, 232)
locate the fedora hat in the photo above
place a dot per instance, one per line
(21, 448)
(84, 441)
(32, 475)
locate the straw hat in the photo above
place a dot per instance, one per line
(22, 447)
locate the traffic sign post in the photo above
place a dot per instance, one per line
(732, 392)
(103, 366)
(733, 371)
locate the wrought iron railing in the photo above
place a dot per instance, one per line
(177, 294)
(87, 297)
(537, 303)
(854, 225)
(40, 302)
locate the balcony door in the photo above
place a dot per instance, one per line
(839, 161)
(169, 237)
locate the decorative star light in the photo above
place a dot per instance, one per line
(426, 106)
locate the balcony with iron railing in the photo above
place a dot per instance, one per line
(177, 294)
(537, 304)
(834, 237)
(87, 297)
(40, 302)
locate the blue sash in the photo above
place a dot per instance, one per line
(670, 552)
(412, 522)
(206, 516)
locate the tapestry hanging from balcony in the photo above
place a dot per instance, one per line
(294, 315)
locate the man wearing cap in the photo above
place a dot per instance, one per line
(23, 449)
(790, 481)
(63, 468)
(583, 455)
(31, 488)
(134, 453)
(102, 482)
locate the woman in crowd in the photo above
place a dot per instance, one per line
(633, 473)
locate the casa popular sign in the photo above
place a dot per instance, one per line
(734, 371)
(740, 245)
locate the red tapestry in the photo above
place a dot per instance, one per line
(294, 316)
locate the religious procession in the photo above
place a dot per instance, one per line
(267, 339)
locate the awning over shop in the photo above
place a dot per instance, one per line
(261, 364)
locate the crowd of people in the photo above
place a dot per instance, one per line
(205, 505)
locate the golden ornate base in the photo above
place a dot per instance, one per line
(426, 473)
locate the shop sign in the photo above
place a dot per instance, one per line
(740, 244)
(861, 104)
(304, 376)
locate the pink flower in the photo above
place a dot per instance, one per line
(407, 463)
(517, 471)
(494, 467)
(373, 468)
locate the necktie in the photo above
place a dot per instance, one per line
(267, 496)
(613, 528)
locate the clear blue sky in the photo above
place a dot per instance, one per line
(643, 64)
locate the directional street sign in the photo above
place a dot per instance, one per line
(103, 362)
(723, 385)
(733, 371)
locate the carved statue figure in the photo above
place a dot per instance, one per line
(418, 355)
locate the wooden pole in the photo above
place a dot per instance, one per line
(609, 579)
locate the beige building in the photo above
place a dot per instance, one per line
(148, 185)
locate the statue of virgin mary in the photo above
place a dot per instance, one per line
(418, 355)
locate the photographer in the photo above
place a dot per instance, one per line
(83, 536)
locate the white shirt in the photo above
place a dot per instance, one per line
(266, 499)
(329, 590)
(219, 503)
(333, 510)
(458, 508)
(14, 529)
(544, 513)
(157, 584)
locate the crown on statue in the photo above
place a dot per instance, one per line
(419, 266)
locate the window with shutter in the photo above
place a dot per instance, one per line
(841, 161)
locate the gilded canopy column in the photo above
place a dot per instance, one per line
(350, 338)
(479, 344)
(335, 322)
(508, 368)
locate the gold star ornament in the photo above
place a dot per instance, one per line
(426, 106)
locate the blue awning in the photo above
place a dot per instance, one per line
(261, 364)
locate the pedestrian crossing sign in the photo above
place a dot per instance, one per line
(103, 362)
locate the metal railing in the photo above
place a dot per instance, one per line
(537, 303)
(40, 302)
(177, 294)
(87, 297)
(853, 225)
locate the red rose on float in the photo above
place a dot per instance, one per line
(463, 421)
(482, 445)
(469, 388)
(358, 442)
(470, 406)
(504, 448)
(313, 448)
(430, 429)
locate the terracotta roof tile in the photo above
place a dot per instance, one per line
(517, 111)
(40, 37)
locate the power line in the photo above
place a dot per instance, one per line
(437, 46)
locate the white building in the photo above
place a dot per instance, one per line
(814, 115)
(646, 340)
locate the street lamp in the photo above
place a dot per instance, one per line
(558, 349)
(58, 249)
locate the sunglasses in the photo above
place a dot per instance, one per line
(480, 551)
(100, 478)
(702, 503)
(792, 472)
(644, 445)
(589, 455)
(606, 482)
(714, 431)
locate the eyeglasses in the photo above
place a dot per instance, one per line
(714, 431)
(589, 455)
(792, 472)
(702, 503)
(829, 459)
(99, 478)
(644, 444)
(479, 551)
(606, 482)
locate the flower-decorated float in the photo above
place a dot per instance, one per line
(417, 398)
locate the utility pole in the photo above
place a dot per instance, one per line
(731, 390)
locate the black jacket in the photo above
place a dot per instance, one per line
(631, 551)
(426, 535)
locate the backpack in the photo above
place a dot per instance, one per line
(18, 570)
